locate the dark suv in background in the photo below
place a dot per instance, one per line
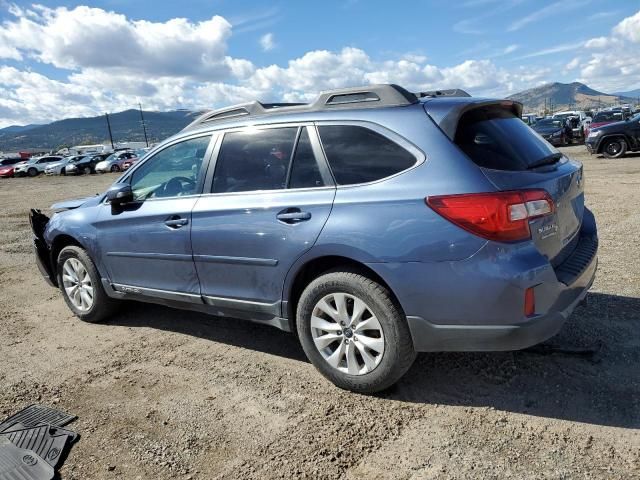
(375, 222)
(615, 139)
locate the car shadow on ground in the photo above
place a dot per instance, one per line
(587, 373)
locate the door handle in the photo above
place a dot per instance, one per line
(293, 215)
(175, 221)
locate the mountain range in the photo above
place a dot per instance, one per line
(568, 96)
(126, 125)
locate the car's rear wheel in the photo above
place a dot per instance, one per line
(81, 286)
(614, 148)
(32, 172)
(115, 168)
(353, 331)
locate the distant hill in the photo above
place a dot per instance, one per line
(18, 128)
(566, 96)
(125, 126)
(631, 93)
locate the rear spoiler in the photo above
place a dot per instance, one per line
(447, 114)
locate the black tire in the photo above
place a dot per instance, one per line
(103, 306)
(614, 148)
(32, 172)
(115, 168)
(399, 353)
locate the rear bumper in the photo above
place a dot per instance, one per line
(430, 337)
(477, 304)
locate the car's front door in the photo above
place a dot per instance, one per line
(270, 198)
(146, 244)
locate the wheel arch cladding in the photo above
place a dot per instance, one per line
(59, 242)
(315, 267)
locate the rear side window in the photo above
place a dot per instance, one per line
(495, 138)
(360, 155)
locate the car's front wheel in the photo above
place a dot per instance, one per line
(115, 168)
(614, 148)
(81, 287)
(353, 331)
(32, 172)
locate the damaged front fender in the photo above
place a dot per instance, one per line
(38, 222)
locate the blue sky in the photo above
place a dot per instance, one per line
(60, 59)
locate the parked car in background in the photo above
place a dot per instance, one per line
(554, 131)
(57, 168)
(578, 121)
(85, 164)
(606, 117)
(35, 165)
(113, 163)
(129, 163)
(529, 118)
(615, 139)
(7, 166)
(374, 222)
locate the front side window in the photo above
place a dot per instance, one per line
(173, 171)
(254, 160)
(360, 155)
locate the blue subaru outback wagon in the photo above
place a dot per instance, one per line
(374, 222)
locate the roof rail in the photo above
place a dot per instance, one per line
(369, 96)
(453, 92)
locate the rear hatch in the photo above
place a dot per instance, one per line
(514, 157)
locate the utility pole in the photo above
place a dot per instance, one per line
(144, 127)
(109, 127)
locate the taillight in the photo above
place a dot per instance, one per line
(500, 216)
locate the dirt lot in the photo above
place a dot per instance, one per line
(162, 393)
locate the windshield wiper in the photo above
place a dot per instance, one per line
(548, 160)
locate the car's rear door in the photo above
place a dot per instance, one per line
(146, 244)
(271, 195)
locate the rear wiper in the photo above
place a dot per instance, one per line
(548, 160)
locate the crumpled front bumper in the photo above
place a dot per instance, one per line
(38, 223)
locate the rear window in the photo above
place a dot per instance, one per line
(495, 138)
(608, 117)
(360, 155)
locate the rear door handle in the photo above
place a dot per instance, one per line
(293, 215)
(174, 221)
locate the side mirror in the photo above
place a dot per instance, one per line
(119, 193)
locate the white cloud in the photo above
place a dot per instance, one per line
(267, 42)
(550, 10)
(629, 28)
(613, 62)
(86, 37)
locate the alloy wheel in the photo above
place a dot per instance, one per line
(77, 284)
(347, 333)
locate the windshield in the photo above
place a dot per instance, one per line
(549, 122)
(608, 117)
(565, 115)
(495, 138)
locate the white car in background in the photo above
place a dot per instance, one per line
(35, 165)
(57, 168)
(114, 162)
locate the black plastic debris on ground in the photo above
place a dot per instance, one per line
(33, 443)
(35, 415)
(18, 463)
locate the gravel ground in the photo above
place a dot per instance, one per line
(162, 393)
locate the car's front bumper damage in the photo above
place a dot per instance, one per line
(39, 222)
